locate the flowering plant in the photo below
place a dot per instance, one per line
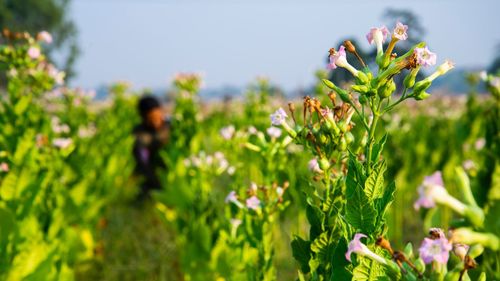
(353, 195)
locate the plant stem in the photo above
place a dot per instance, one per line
(401, 99)
(371, 135)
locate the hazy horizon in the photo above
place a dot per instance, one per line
(232, 42)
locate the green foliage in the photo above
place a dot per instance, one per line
(31, 15)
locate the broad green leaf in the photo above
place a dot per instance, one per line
(356, 172)
(8, 187)
(369, 270)
(492, 223)
(320, 245)
(378, 148)
(302, 253)
(7, 227)
(360, 213)
(375, 182)
(383, 203)
(315, 218)
(22, 105)
(340, 263)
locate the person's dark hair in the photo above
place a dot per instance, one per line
(146, 104)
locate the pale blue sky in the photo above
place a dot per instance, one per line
(232, 42)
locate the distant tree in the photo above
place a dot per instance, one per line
(415, 31)
(50, 15)
(495, 65)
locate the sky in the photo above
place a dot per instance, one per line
(231, 42)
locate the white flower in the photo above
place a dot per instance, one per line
(278, 117)
(227, 132)
(274, 132)
(44, 36)
(62, 142)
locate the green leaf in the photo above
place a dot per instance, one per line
(7, 226)
(320, 245)
(339, 262)
(22, 105)
(383, 203)
(315, 218)
(492, 223)
(378, 148)
(369, 270)
(360, 213)
(356, 172)
(301, 253)
(375, 182)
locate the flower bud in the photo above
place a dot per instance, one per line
(343, 144)
(421, 86)
(362, 77)
(460, 250)
(387, 89)
(343, 126)
(410, 78)
(476, 250)
(324, 164)
(362, 89)
(468, 236)
(344, 96)
(422, 96)
(420, 265)
(408, 250)
(322, 139)
(349, 137)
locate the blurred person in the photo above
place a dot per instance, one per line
(151, 135)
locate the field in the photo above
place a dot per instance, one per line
(259, 187)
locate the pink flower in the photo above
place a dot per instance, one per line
(355, 246)
(62, 142)
(377, 35)
(44, 36)
(435, 250)
(274, 132)
(34, 52)
(253, 203)
(432, 185)
(231, 197)
(400, 31)
(313, 166)
(252, 130)
(480, 143)
(57, 75)
(235, 222)
(227, 132)
(4, 167)
(278, 117)
(468, 165)
(425, 57)
(339, 59)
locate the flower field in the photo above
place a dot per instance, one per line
(376, 179)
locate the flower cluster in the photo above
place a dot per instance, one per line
(216, 162)
(389, 64)
(258, 197)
